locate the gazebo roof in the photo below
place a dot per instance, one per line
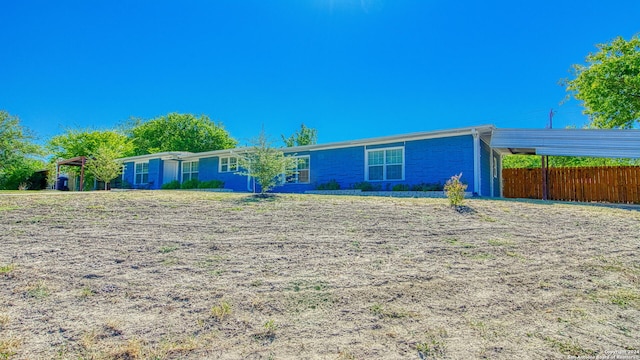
(76, 161)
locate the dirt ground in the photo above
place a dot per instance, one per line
(197, 275)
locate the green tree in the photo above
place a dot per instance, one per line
(533, 161)
(178, 132)
(17, 152)
(609, 84)
(74, 143)
(266, 164)
(103, 166)
(304, 136)
(19, 172)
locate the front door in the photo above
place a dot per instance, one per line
(170, 171)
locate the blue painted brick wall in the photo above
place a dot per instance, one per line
(426, 161)
(485, 171)
(155, 173)
(208, 169)
(129, 174)
(436, 160)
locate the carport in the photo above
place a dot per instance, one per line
(610, 143)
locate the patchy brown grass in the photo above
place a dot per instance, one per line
(168, 275)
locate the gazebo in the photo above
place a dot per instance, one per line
(76, 161)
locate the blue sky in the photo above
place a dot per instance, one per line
(350, 68)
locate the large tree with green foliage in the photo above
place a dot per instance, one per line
(178, 132)
(269, 166)
(103, 166)
(304, 136)
(74, 143)
(17, 152)
(609, 84)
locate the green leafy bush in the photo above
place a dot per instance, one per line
(190, 184)
(175, 184)
(331, 185)
(366, 186)
(455, 189)
(400, 187)
(427, 187)
(211, 184)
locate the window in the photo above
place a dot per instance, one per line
(142, 173)
(189, 170)
(300, 174)
(228, 164)
(385, 164)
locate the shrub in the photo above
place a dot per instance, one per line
(190, 184)
(400, 187)
(219, 312)
(455, 189)
(427, 187)
(211, 184)
(175, 184)
(366, 186)
(331, 185)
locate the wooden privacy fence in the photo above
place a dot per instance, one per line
(618, 184)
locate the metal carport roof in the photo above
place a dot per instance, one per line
(612, 143)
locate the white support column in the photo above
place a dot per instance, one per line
(476, 163)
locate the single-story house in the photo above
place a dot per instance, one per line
(417, 158)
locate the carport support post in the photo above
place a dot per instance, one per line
(544, 168)
(55, 187)
(82, 174)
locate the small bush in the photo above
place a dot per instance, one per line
(190, 184)
(331, 185)
(366, 186)
(175, 184)
(427, 187)
(211, 184)
(400, 187)
(5, 269)
(219, 312)
(455, 189)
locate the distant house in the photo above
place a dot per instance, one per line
(410, 159)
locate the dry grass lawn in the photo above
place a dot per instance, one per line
(193, 275)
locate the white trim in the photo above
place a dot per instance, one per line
(228, 164)
(135, 173)
(477, 178)
(384, 165)
(190, 172)
(482, 129)
(297, 170)
(167, 155)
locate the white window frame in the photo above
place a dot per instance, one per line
(384, 164)
(230, 167)
(190, 172)
(141, 172)
(294, 177)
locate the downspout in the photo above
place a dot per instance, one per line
(491, 167)
(476, 163)
(500, 177)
